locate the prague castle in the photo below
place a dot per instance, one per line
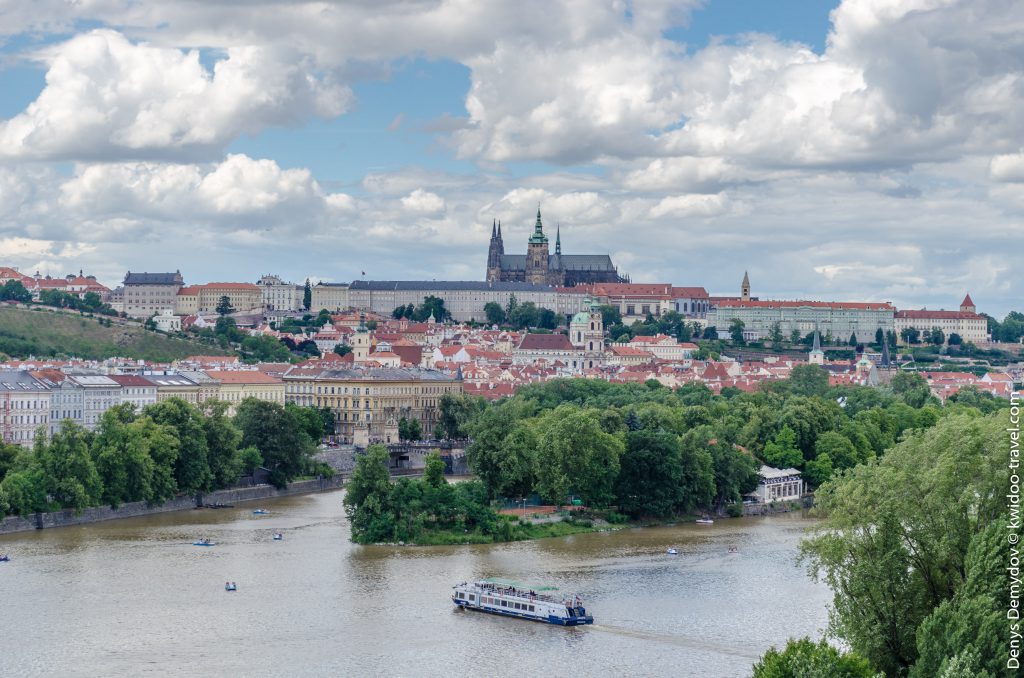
(540, 267)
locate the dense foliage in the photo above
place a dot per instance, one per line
(913, 545)
(806, 659)
(170, 448)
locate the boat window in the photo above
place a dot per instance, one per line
(517, 605)
(504, 603)
(531, 608)
(472, 597)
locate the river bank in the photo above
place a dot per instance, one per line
(68, 517)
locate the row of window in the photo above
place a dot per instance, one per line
(525, 607)
(24, 404)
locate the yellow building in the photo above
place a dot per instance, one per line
(237, 385)
(187, 301)
(332, 296)
(242, 296)
(174, 386)
(368, 402)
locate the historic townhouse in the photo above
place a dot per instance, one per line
(368, 402)
(24, 406)
(146, 294)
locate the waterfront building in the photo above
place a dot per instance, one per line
(967, 322)
(778, 485)
(25, 405)
(838, 318)
(540, 267)
(173, 385)
(368, 402)
(149, 293)
(98, 393)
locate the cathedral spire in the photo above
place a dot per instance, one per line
(558, 239)
(494, 227)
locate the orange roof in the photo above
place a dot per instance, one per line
(250, 287)
(938, 315)
(691, 292)
(190, 291)
(242, 377)
(660, 290)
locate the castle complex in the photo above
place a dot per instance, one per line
(540, 267)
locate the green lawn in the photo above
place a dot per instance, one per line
(43, 332)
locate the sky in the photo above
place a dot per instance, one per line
(863, 150)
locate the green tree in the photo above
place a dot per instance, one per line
(192, 465)
(494, 312)
(782, 452)
(736, 331)
(13, 290)
(794, 336)
(455, 411)
(264, 349)
(853, 339)
(367, 496)
(524, 315)
(650, 478)
(806, 659)
(910, 335)
(936, 337)
(342, 349)
(808, 380)
(577, 456)
(546, 319)
(279, 435)
(610, 315)
(775, 336)
(8, 455)
(896, 535)
(24, 491)
(840, 450)
(68, 470)
(307, 296)
(224, 306)
(433, 471)
(249, 459)
(432, 306)
(955, 339)
(222, 439)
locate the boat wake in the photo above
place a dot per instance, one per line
(681, 641)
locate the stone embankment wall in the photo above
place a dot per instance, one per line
(66, 518)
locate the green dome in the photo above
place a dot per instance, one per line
(581, 317)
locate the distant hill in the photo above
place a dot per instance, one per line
(43, 332)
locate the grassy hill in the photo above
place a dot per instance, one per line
(43, 332)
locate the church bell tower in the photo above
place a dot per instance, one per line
(494, 252)
(537, 254)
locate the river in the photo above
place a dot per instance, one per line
(134, 597)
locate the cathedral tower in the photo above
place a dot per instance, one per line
(537, 254)
(494, 252)
(745, 288)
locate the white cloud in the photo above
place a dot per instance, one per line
(423, 202)
(1008, 167)
(698, 205)
(109, 98)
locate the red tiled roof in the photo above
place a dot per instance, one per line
(690, 292)
(659, 290)
(131, 380)
(545, 342)
(250, 287)
(938, 315)
(967, 300)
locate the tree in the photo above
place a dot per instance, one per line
(853, 339)
(896, 537)
(13, 290)
(433, 471)
(808, 380)
(249, 459)
(911, 388)
(650, 474)
(222, 439)
(454, 412)
(523, 315)
(8, 455)
(494, 312)
(782, 452)
(775, 335)
(279, 435)
(610, 315)
(68, 469)
(910, 335)
(192, 465)
(546, 318)
(367, 496)
(224, 306)
(577, 456)
(955, 339)
(710, 333)
(264, 349)
(806, 659)
(736, 331)
(879, 337)
(840, 450)
(794, 336)
(342, 349)
(409, 429)
(936, 337)
(432, 306)
(307, 296)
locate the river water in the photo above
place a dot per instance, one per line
(134, 597)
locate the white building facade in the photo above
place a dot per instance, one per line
(24, 407)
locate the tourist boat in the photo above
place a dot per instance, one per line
(230, 586)
(204, 542)
(672, 552)
(516, 600)
(261, 512)
(704, 521)
(5, 558)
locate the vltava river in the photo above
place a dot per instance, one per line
(134, 597)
